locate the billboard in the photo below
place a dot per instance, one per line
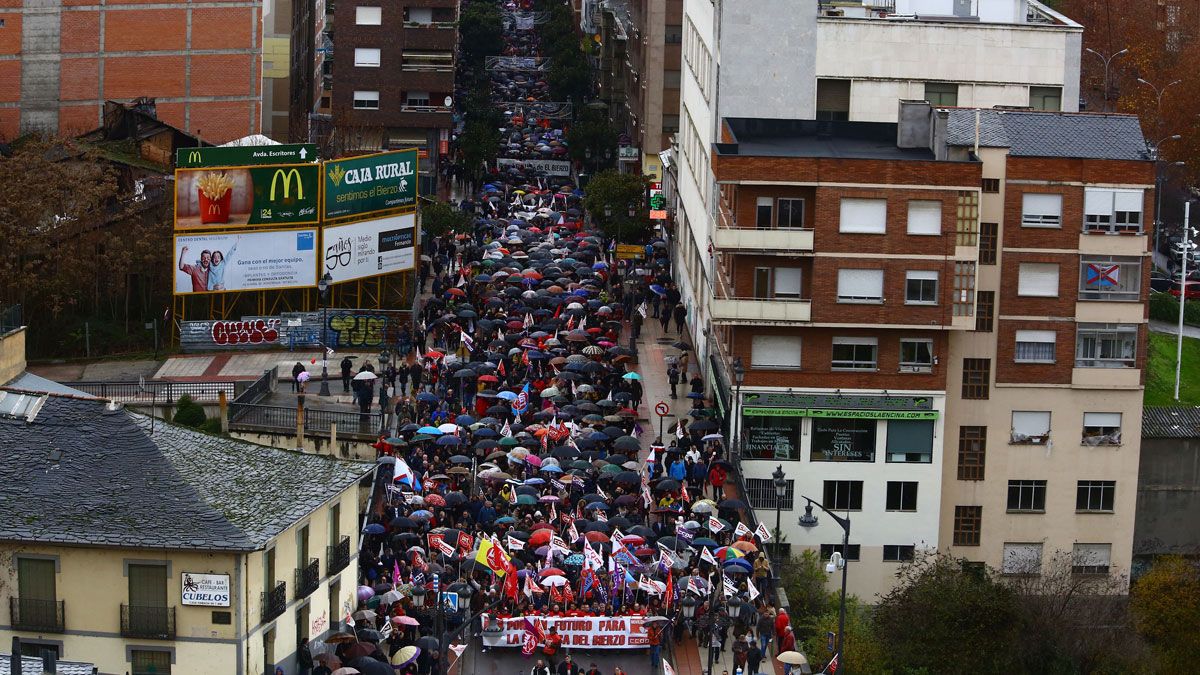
(369, 248)
(550, 167)
(246, 261)
(369, 184)
(247, 155)
(230, 197)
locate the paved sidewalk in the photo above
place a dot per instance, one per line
(1172, 328)
(99, 371)
(654, 347)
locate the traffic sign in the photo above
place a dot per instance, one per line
(662, 408)
(244, 155)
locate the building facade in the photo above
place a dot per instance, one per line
(1168, 485)
(60, 62)
(394, 79)
(293, 66)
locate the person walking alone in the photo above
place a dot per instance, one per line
(347, 373)
(673, 379)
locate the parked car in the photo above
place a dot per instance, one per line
(1192, 289)
(1160, 282)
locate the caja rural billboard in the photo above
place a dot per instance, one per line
(246, 261)
(230, 197)
(360, 186)
(369, 248)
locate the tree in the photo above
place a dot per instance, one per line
(1166, 611)
(479, 143)
(480, 31)
(610, 195)
(949, 620)
(189, 413)
(864, 652)
(439, 219)
(592, 131)
(803, 579)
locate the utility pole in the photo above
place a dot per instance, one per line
(1185, 251)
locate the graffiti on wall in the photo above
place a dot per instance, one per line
(342, 328)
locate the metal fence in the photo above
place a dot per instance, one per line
(282, 419)
(159, 391)
(260, 388)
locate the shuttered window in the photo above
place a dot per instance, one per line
(368, 16)
(860, 285)
(1106, 210)
(924, 217)
(775, 351)
(1041, 210)
(865, 216)
(1038, 280)
(787, 283)
(148, 585)
(1030, 426)
(910, 441)
(1035, 346)
(35, 579)
(833, 99)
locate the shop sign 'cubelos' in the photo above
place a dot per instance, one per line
(360, 186)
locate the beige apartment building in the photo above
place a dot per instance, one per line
(143, 547)
(1045, 413)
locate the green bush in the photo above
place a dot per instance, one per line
(212, 425)
(189, 413)
(1165, 307)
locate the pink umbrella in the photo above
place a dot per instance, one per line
(405, 621)
(534, 460)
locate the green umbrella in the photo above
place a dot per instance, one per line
(611, 468)
(421, 437)
(508, 441)
(526, 499)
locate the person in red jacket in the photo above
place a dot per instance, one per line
(781, 621)
(553, 643)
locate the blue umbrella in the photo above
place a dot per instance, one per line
(601, 265)
(658, 289)
(535, 481)
(486, 433)
(464, 420)
(505, 520)
(573, 559)
(696, 395)
(738, 562)
(551, 468)
(448, 440)
(432, 431)
(423, 514)
(507, 395)
(596, 505)
(631, 376)
(426, 397)
(705, 542)
(374, 528)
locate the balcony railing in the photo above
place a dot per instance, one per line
(274, 601)
(308, 578)
(44, 616)
(425, 109)
(337, 557)
(729, 236)
(428, 67)
(729, 307)
(156, 623)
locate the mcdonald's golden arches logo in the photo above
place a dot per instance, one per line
(287, 175)
(194, 157)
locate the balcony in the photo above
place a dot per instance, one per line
(274, 601)
(43, 616)
(435, 36)
(756, 311)
(308, 578)
(729, 236)
(337, 557)
(155, 623)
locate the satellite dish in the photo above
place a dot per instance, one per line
(448, 102)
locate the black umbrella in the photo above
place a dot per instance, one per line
(732, 504)
(627, 444)
(703, 425)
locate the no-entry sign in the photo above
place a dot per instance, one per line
(662, 408)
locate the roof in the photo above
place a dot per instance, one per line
(30, 664)
(759, 137)
(29, 382)
(119, 484)
(1171, 422)
(1028, 133)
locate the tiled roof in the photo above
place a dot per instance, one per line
(1171, 422)
(116, 484)
(30, 665)
(1047, 134)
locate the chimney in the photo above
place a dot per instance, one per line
(913, 127)
(14, 659)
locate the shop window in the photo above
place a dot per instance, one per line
(843, 440)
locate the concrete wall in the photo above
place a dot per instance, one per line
(12, 354)
(319, 445)
(1168, 497)
(768, 65)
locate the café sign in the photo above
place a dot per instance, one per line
(206, 590)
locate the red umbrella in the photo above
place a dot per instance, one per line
(488, 378)
(435, 500)
(540, 537)
(551, 570)
(632, 539)
(596, 536)
(431, 354)
(457, 291)
(543, 526)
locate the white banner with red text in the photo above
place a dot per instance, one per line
(582, 632)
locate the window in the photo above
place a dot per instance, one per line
(1095, 495)
(1101, 428)
(366, 100)
(37, 595)
(428, 61)
(920, 287)
(670, 123)
(34, 648)
(1110, 278)
(760, 492)
(901, 495)
(843, 495)
(787, 283)
(977, 375)
(1021, 559)
(365, 57)
(972, 451)
(865, 286)
(989, 243)
(1030, 427)
(1106, 210)
(764, 213)
(1041, 210)
(968, 524)
(916, 356)
(421, 15)
(775, 351)
(150, 662)
(148, 613)
(1035, 346)
(1045, 98)
(850, 553)
(833, 100)
(791, 212)
(416, 98)
(910, 441)
(1027, 496)
(863, 216)
(836, 439)
(770, 437)
(368, 16)
(941, 93)
(963, 298)
(1091, 558)
(1105, 345)
(985, 309)
(924, 217)
(674, 34)
(1038, 280)
(855, 353)
(899, 552)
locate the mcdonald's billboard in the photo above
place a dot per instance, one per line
(245, 155)
(231, 197)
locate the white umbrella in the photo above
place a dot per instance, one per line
(792, 658)
(554, 580)
(448, 428)
(366, 375)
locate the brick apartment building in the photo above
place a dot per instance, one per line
(858, 283)
(60, 62)
(394, 78)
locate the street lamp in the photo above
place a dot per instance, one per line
(1107, 60)
(1158, 94)
(778, 478)
(1159, 179)
(323, 290)
(808, 520)
(418, 597)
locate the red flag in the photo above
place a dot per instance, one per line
(500, 368)
(531, 638)
(558, 310)
(833, 665)
(510, 585)
(670, 592)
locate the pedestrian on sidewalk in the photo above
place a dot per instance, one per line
(680, 313)
(296, 370)
(635, 392)
(697, 384)
(636, 322)
(673, 379)
(665, 319)
(684, 359)
(766, 627)
(347, 373)
(654, 637)
(753, 659)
